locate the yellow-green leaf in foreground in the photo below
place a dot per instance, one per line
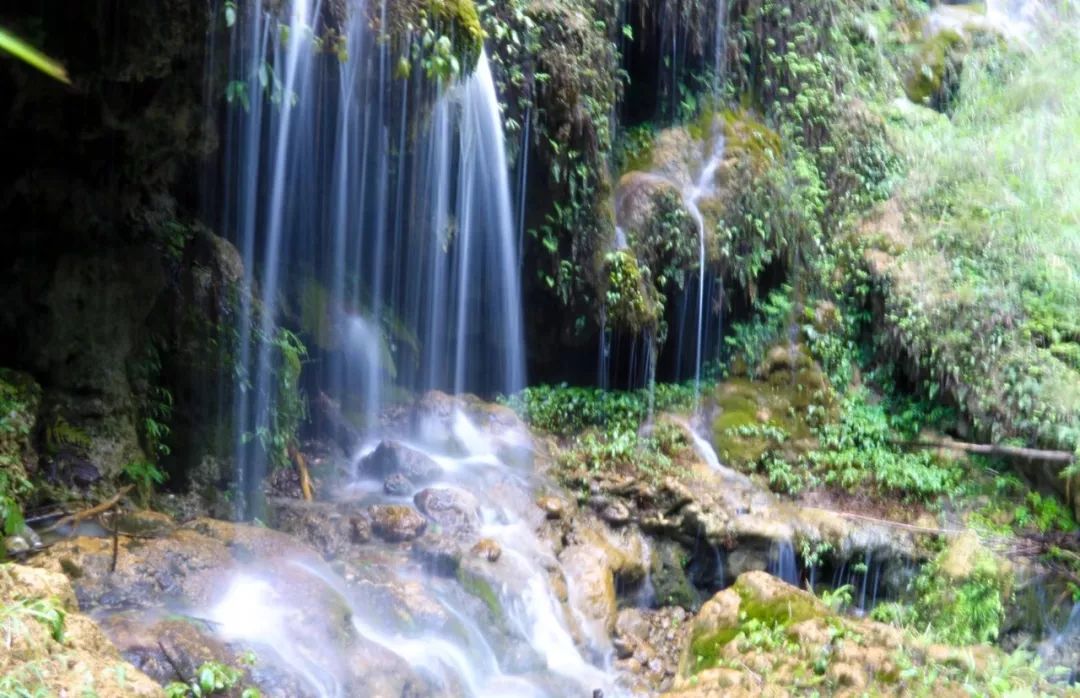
(31, 55)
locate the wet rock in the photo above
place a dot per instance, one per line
(440, 554)
(615, 512)
(553, 507)
(142, 523)
(670, 583)
(393, 457)
(397, 485)
(396, 523)
(648, 644)
(186, 566)
(487, 549)
(592, 562)
(450, 507)
(331, 528)
(78, 662)
(401, 606)
(162, 646)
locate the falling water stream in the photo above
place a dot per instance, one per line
(377, 211)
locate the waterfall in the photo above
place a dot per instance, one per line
(373, 214)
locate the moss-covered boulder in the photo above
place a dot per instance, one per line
(935, 69)
(764, 637)
(774, 410)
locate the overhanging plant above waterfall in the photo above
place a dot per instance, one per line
(443, 36)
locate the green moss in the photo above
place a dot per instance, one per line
(786, 608)
(463, 23)
(746, 136)
(629, 299)
(481, 589)
(706, 647)
(935, 68)
(444, 36)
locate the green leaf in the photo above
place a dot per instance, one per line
(33, 57)
(230, 14)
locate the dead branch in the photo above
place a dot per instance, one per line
(998, 450)
(305, 477)
(897, 524)
(80, 516)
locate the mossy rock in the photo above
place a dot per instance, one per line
(748, 138)
(755, 416)
(755, 596)
(629, 297)
(935, 69)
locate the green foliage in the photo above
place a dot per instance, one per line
(860, 449)
(155, 403)
(628, 298)
(144, 476)
(601, 429)
(635, 147)
(769, 325)
(839, 598)
(566, 410)
(984, 290)
(13, 488)
(964, 611)
(624, 451)
(19, 401)
(214, 679)
(47, 612)
(288, 404)
(574, 89)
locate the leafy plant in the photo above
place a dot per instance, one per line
(48, 612)
(31, 56)
(144, 476)
(214, 679)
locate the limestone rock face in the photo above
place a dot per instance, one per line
(71, 659)
(209, 568)
(764, 637)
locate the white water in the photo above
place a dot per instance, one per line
(376, 211)
(704, 186)
(470, 656)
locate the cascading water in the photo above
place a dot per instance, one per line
(373, 212)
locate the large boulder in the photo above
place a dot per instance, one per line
(452, 508)
(393, 457)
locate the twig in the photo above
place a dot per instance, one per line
(897, 524)
(79, 516)
(179, 674)
(115, 543)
